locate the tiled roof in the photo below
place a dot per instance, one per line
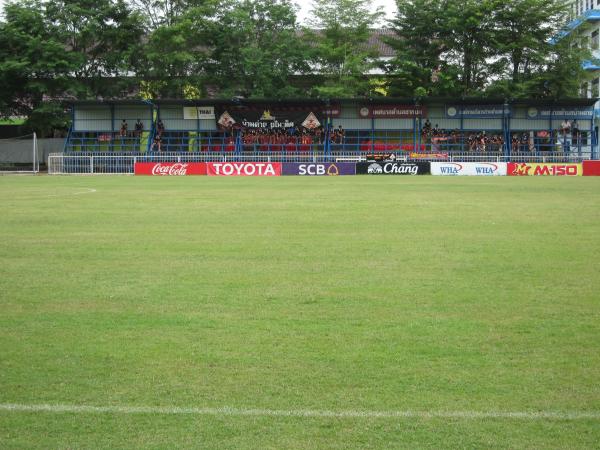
(376, 41)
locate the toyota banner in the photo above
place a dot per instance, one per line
(244, 169)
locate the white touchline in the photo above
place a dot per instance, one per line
(226, 411)
(87, 191)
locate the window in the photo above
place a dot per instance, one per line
(596, 88)
(595, 40)
(584, 90)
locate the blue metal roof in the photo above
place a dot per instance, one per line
(591, 15)
(590, 65)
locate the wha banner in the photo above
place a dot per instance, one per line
(318, 169)
(556, 170)
(467, 168)
(169, 169)
(244, 169)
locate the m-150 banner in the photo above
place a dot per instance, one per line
(244, 169)
(547, 169)
(468, 168)
(393, 168)
(169, 168)
(318, 169)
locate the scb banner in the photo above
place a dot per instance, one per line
(393, 168)
(318, 169)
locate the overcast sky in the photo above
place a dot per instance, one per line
(389, 7)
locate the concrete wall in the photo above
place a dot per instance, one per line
(21, 151)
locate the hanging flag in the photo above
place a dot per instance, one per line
(226, 120)
(311, 122)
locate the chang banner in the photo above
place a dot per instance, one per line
(318, 169)
(392, 168)
(555, 170)
(468, 169)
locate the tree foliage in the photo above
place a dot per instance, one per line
(483, 47)
(339, 33)
(52, 49)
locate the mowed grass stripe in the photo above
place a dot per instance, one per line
(229, 411)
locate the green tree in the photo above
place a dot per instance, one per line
(340, 31)
(34, 65)
(104, 36)
(420, 43)
(256, 49)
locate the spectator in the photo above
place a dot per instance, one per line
(139, 128)
(160, 127)
(157, 143)
(575, 132)
(124, 126)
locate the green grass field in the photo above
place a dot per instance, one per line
(412, 296)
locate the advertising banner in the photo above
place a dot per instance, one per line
(266, 117)
(244, 169)
(390, 111)
(393, 168)
(415, 155)
(591, 168)
(534, 169)
(318, 169)
(468, 169)
(477, 111)
(169, 169)
(198, 112)
(585, 112)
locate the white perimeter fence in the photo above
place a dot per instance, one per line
(97, 164)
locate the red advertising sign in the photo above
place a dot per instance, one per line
(591, 168)
(170, 169)
(390, 111)
(244, 169)
(544, 169)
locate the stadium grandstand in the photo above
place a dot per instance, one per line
(334, 129)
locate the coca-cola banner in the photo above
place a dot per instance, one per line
(169, 168)
(244, 169)
(319, 169)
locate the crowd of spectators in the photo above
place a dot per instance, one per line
(443, 140)
(290, 139)
(433, 138)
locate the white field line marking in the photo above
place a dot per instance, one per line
(87, 191)
(226, 411)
